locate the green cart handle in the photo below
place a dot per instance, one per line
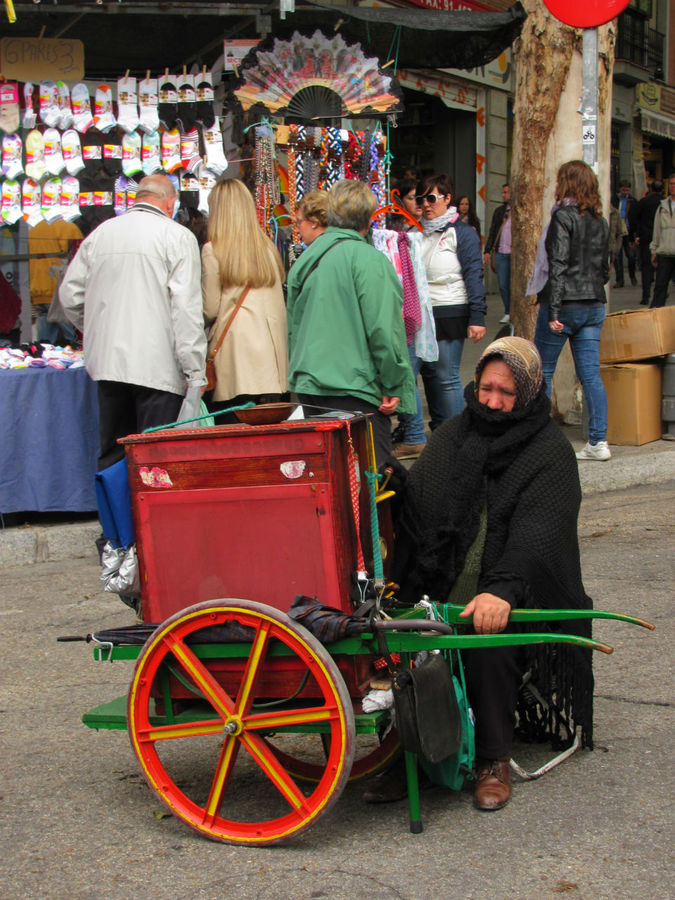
(449, 612)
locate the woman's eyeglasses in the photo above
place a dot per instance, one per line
(427, 198)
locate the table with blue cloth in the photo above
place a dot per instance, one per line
(49, 445)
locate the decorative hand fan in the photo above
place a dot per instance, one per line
(316, 77)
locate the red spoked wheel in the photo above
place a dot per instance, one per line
(212, 765)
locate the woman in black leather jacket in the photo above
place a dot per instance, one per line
(572, 303)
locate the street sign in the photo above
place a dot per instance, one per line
(585, 13)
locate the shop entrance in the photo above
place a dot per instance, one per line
(432, 138)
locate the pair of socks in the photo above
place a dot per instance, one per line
(35, 155)
(54, 160)
(70, 199)
(148, 105)
(127, 104)
(31, 202)
(81, 104)
(12, 153)
(9, 107)
(151, 153)
(104, 118)
(11, 201)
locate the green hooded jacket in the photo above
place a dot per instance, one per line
(345, 325)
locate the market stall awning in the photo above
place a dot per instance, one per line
(144, 35)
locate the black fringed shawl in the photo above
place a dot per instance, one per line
(525, 469)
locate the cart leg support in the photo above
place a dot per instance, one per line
(416, 826)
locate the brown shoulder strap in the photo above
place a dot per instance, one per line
(229, 322)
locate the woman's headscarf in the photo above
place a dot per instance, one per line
(522, 358)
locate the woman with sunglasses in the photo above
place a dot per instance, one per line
(454, 266)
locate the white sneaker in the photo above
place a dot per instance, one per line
(505, 319)
(599, 451)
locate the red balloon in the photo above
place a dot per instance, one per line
(585, 13)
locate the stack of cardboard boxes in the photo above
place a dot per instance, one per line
(631, 372)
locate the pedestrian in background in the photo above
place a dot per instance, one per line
(572, 302)
(133, 289)
(239, 260)
(454, 268)
(663, 246)
(499, 242)
(642, 230)
(346, 337)
(626, 203)
(468, 214)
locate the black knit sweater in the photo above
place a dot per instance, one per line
(522, 466)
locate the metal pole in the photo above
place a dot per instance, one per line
(589, 98)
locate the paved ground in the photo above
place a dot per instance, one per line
(77, 820)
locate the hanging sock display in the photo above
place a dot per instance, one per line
(204, 105)
(207, 181)
(12, 151)
(185, 111)
(120, 195)
(147, 101)
(29, 118)
(189, 150)
(49, 103)
(9, 107)
(31, 201)
(168, 100)
(35, 155)
(70, 199)
(189, 191)
(112, 153)
(216, 160)
(171, 160)
(11, 201)
(53, 153)
(151, 153)
(66, 119)
(131, 154)
(81, 103)
(104, 118)
(51, 200)
(132, 187)
(127, 104)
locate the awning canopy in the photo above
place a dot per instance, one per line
(145, 35)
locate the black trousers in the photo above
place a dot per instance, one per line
(629, 252)
(493, 678)
(381, 423)
(665, 270)
(129, 409)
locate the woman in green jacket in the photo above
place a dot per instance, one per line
(346, 337)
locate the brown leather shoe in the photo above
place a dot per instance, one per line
(493, 785)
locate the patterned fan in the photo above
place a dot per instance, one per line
(308, 72)
(316, 102)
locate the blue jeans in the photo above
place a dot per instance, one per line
(503, 264)
(413, 424)
(442, 382)
(52, 332)
(582, 327)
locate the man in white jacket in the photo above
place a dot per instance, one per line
(134, 290)
(663, 246)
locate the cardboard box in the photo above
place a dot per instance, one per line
(634, 403)
(635, 334)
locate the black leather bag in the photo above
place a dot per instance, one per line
(428, 719)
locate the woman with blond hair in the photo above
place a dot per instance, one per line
(252, 360)
(572, 302)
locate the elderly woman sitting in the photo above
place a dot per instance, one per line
(490, 521)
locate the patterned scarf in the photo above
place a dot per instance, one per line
(412, 313)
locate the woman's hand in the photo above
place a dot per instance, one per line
(388, 405)
(476, 332)
(556, 326)
(490, 613)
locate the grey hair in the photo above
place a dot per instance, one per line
(351, 204)
(152, 185)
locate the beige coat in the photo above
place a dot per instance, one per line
(253, 357)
